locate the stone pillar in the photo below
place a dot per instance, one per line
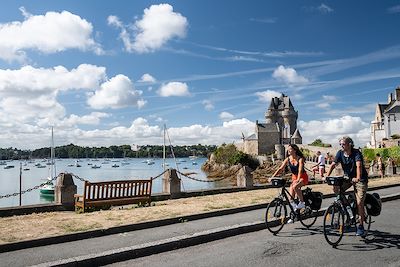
(172, 183)
(280, 151)
(64, 190)
(244, 178)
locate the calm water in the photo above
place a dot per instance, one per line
(128, 169)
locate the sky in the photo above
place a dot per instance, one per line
(114, 72)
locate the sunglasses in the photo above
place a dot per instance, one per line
(342, 144)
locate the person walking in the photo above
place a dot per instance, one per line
(320, 166)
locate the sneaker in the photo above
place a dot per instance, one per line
(294, 205)
(360, 230)
(290, 221)
(301, 205)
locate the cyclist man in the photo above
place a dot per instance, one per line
(352, 163)
(295, 161)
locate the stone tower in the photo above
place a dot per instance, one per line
(282, 113)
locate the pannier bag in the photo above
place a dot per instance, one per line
(312, 199)
(373, 204)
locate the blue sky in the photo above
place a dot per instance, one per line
(113, 72)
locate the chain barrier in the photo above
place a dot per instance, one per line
(207, 181)
(84, 180)
(79, 178)
(30, 189)
(153, 178)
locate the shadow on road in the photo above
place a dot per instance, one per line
(374, 241)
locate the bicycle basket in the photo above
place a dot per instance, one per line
(373, 204)
(332, 180)
(278, 182)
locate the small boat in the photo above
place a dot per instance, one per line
(77, 164)
(48, 188)
(194, 163)
(40, 166)
(26, 169)
(3, 163)
(96, 167)
(115, 165)
(8, 166)
(150, 162)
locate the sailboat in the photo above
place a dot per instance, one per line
(48, 189)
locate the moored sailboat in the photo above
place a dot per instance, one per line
(48, 188)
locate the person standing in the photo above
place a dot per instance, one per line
(380, 165)
(352, 163)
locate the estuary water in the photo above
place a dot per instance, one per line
(137, 168)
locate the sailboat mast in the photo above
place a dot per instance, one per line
(52, 170)
(164, 148)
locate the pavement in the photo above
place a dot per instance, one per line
(126, 245)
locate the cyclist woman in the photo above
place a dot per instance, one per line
(295, 161)
(352, 163)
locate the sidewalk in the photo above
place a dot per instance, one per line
(133, 244)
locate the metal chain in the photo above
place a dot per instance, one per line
(30, 189)
(205, 181)
(79, 178)
(153, 178)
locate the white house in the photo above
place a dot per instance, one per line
(386, 122)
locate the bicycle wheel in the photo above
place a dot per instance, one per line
(333, 224)
(275, 215)
(308, 217)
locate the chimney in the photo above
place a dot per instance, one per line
(397, 93)
(390, 98)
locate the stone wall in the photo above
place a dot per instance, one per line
(267, 141)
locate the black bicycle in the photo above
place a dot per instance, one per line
(342, 214)
(276, 213)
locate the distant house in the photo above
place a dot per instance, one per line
(386, 122)
(280, 127)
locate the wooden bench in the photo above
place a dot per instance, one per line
(111, 193)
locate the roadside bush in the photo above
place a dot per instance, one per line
(393, 152)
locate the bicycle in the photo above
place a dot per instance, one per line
(337, 216)
(276, 213)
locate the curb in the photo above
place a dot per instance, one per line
(139, 226)
(146, 249)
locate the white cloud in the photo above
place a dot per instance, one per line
(331, 98)
(289, 76)
(226, 116)
(208, 105)
(266, 96)
(118, 92)
(324, 105)
(324, 9)
(147, 78)
(331, 130)
(31, 93)
(173, 89)
(158, 25)
(91, 119)
(50, 33)
(394, 9)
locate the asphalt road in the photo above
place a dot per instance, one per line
(293, 246)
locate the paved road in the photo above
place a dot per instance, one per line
(294, 246)
(95, 248)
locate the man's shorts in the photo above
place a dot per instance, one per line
(360, 189)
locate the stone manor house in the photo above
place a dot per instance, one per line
(280, 128)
